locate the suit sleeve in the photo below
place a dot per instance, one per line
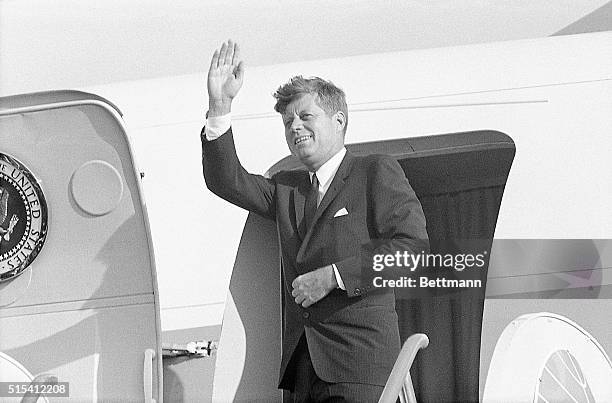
(396, 220)
(225, 177)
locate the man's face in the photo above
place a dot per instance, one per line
(312, 135)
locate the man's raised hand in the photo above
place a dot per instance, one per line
(224, 78)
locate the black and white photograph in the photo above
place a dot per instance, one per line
(306, 201)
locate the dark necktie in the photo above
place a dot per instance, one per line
(310, 207)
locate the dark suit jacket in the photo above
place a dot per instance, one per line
(352, 335)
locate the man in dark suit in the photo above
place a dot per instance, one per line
(340, 336)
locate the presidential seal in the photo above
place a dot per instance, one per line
(23, 217)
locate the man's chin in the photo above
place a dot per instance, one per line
(306, 161)
(304, 157)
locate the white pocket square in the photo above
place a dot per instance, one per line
(341, 212)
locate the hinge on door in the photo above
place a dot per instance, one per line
(202, 348)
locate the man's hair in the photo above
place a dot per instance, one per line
(327, 96)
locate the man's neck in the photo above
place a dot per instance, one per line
(328, 170)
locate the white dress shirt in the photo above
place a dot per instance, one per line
(217, 125)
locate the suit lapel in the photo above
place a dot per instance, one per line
(334, 189)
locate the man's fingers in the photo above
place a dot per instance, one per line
(229, 55)
(214, 60)
(222, 54)
(239, 73)
(236, 58)
(306, 292)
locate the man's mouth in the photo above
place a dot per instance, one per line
(301, 139)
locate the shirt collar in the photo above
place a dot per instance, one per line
(327, 171)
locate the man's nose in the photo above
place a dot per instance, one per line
(296, 125)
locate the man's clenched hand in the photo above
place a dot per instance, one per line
(225, 77)
(311, 287)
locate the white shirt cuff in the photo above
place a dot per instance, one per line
(217, 125)
(338, 278)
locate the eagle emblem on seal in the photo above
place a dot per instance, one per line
(23, 217)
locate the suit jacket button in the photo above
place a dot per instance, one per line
(357, 291)
(306, 315)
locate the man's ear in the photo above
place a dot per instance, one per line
(340, 120)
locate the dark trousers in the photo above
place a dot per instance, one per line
(309, 388)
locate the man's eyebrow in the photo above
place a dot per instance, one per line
(289, 114)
